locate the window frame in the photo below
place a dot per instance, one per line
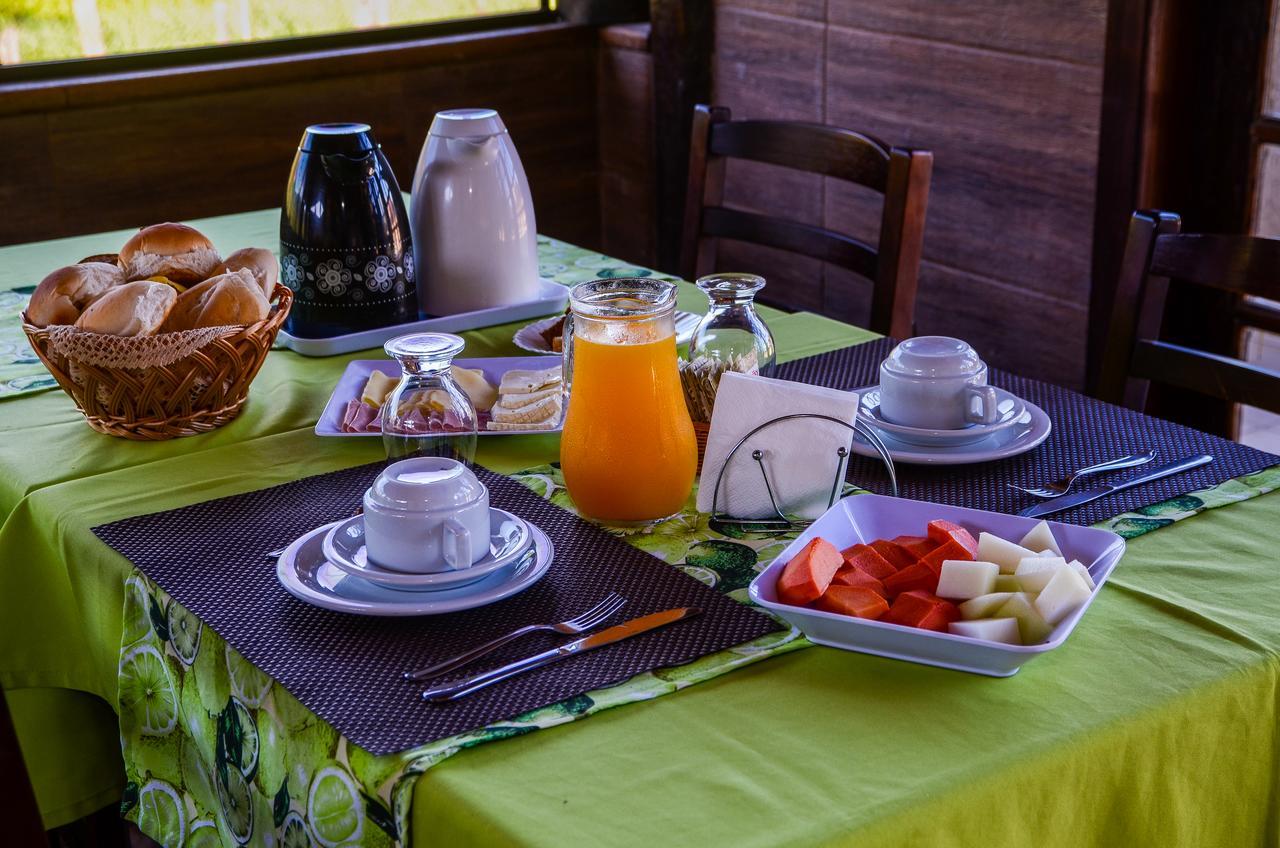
(177, 58)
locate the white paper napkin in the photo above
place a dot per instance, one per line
(799, 455)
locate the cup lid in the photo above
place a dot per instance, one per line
(347, 138)
(467, 123)
(933, 356)
(425, 483)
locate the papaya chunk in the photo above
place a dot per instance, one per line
(894, 553)
(916, 546)
(849, 575)
(912, 578)
(951, 549)
(943, 531)
(866, 558)
(809, 573)
(856, 601)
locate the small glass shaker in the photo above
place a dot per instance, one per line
(428, 414)
(732, 331)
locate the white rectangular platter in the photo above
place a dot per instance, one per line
(551, 298)
(865, 518)
(357, 374)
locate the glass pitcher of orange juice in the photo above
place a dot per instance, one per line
(628, 452)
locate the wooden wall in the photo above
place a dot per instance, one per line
(1005, 93)
(624, 92)
(129, 150)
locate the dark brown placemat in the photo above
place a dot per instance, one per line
(346, 668)
(1085, 431)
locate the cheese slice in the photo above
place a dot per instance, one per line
(377, 388)
(521, 382)
(515, 401)
(546, 409)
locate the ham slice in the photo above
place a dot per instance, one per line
(359, 417)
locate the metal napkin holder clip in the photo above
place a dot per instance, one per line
(782, 524)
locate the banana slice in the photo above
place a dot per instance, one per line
(517, 401)
(546, 409)
(520, 382)
(536, 425)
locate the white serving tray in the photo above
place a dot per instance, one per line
(552, 297)
(864, 518)
(351, 384)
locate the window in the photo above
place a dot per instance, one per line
(48, 33)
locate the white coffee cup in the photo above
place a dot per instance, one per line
(936, 383)
(426, 514)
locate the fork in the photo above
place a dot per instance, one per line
(580, 624)
(1058, 488)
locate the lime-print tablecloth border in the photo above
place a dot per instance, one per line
(22, 373)
(214, 749)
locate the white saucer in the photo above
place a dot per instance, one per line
(1009, 409)
(344, 547)
(305, 573)
(1031, 428)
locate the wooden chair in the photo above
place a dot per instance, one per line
(1156, 252)
(901, 175)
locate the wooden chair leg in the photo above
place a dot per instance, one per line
(18, 808)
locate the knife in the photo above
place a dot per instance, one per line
(1086, 495)
(617, 633)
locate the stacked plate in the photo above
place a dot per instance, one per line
(1019, 427)
(329, 567)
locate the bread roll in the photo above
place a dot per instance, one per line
(176, 251)
(231, 298)
(63, 295)
(132, 309)
(260, 261)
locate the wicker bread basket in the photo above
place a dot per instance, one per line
(198, 392)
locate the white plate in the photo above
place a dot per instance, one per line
(530, 338)
(344, 546)
(1009, 408)
(1031, 428)
(864, 518)
(305, 573)
(551, 297)
(351, 384)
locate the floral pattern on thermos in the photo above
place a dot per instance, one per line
(367, 276)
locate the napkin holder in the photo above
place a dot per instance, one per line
(781, 523)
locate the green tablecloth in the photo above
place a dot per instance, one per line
(1156, 721)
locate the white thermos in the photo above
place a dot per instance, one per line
(474, 235)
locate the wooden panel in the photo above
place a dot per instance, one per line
(1011, 327)
(1014, 140)
(625, 120)
(1071, 30)
(768, 66)
(813, 10)
(175, 157)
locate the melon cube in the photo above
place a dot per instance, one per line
(1002, 552)
(984, 606)
(1062, 595)
(991, 629)
(1078, 567)
(1034, 573)
(964, 579)
(1031, 624)
(1040, 538)
(1007, 583)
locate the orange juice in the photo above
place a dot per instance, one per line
(628, 451)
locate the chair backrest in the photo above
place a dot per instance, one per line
(1155, 253)
(901, 175)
